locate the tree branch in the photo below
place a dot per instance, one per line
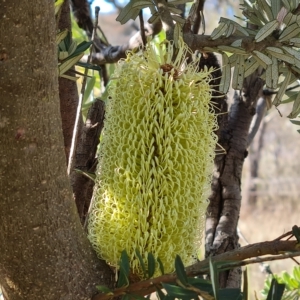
(240, 256)
(85, 157)
(112, 54)
(225, 200)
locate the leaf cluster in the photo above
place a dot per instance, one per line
(287, 284)
(133, 8)
(184, 288)
(276, 27)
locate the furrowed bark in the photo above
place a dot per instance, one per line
(225, 200)
(85, 160)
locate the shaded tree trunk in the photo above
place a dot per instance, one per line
(44, 251)
(225, 200)
(68, 93)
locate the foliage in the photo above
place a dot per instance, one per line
(185, 287)
(291, 283)
(270, 42)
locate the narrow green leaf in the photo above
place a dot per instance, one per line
(142, 4)
(153, 18)
(179, 292)
(139, 256)
(128, 13)
(80, 49)
(245, 284)
(214, 278)
(180, 271)
(231, 29)
(69, 63)
(123, 278)
(226, 75)
(276, 290)
(87, 174)
(201, 284)
(253, 19)
(161, 266)
(264, 6)
(238, 73)
(236, 25)
(232, 59)
(219, 31)
(73, 78)
(282, 89)
(275, 6)
(57, 6)
(230, 293)
(72, 47)
(289, 32)
(296, 271)
(104, 289)
(237, 43)
(295, 42)
(151, 265)
(251, 65)
(232, 49)
(177, 34)
(89, 88)
(62, 55)
(278, 53)
(88, 66)
(61, 35)
(293, 52)
(124, 262)
(266, 30)
(286, 3)
(262, 58)
(173, 9)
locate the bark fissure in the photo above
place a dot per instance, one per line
(225, 200)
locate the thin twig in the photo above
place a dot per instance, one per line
(142, 28)
(288, 234)
(75, 131)
(259, 260)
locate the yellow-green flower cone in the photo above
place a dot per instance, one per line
(155, 160)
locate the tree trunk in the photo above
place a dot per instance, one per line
(68, 93)
(44, 251)
(225, 200)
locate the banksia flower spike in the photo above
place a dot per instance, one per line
(155, 159)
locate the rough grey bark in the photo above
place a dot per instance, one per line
(44, 251)
(225, 200)
(85, 160)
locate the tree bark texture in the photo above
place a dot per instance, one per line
(68, 93)
(85, 158)
(44, 251)
(225, 200)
